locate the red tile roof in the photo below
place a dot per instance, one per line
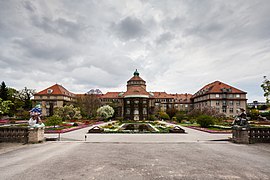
(56, 90)
(182, 97)
(136, 78)
(136, 90)
(111, 95)
(162, 95)
(217, 87)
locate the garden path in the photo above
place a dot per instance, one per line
(191, 135)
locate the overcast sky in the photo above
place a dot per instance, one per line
(177, 46)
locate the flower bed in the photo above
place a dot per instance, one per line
(216, 130)
(65, 129)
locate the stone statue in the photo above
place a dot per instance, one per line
(35, 120)
(241, 119)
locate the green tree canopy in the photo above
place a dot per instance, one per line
(266, 88)
(54, 120)
(5, 106)
(68, 112)
(25, 96)
(3, 91)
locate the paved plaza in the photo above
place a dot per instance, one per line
(195, 155)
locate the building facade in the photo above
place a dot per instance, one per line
(220, 96)
(136, 103)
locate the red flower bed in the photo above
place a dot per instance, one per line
(3, 121)
(66, 130)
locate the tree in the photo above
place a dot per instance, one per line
(266, 88)
(181, 115)
(5, 106)
(25, 96)
(105, 112)
(68, 112)
(88, 103)
(210, 111)
(53, 121)
(3, 91)
(171, 112)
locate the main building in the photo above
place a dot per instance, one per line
(136, 103)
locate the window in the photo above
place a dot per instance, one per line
(49, 91)
(144, 102)
(224, 103)
(144, 111)
(128, 102)
(127, 111)
(231, 103)
(136, 111)
(237, 103)
(156, 104)
(136, 102)
(217, 103)
(217, 95)
(231, 110)
(237, 95)
(186, 105)
(224, 110)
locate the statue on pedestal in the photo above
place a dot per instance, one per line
(241, 121)
(35, 120)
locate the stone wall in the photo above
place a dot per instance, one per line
(250, 135)
(21, 134)
(36, 135)
(240, 135)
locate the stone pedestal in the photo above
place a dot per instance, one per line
(36, 135)
(240, 135)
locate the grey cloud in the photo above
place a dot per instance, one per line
(60, 26)
(100, 44)
(29, 6)
(40, 49)
(130, 28)
(165, 37)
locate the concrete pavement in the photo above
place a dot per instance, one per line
(195, 155)
(105, 160)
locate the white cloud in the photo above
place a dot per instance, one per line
(178, 46)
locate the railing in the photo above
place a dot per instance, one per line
(251, 135)
(259, 135)
(14, 134)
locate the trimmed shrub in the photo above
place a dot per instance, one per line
(152, 117)
(205, 121)
(181, 116)
(164, 116)
(53, 121)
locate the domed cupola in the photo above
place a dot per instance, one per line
(136, 80)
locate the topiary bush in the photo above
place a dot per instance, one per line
(205, 121)
(164, 116)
